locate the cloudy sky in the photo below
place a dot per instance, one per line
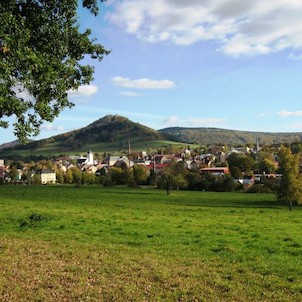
(234, 64)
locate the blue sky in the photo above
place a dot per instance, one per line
(230, 64)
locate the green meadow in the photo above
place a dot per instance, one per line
(118, 147)
(63, 243)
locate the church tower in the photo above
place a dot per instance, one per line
(89, 159)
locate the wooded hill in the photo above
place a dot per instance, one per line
(108, 134)
(215, 136)
(112, 133)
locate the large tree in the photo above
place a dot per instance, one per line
(244, 162)
(41, 53)
(290, 190)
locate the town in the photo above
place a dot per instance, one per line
(217, 168)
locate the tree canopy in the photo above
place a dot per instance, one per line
(41, 53)
(290, 187)
(244, 162)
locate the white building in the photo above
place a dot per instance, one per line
(89, 160)
(47, 176)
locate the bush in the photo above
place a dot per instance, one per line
(266, 185)
(259, 188)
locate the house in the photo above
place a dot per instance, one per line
(123, 160)
(89, 169)
(111, 160)
(206, 159)
(47, 176)
(165, 159)
(116, 161)
(216, 171)
(191, 164)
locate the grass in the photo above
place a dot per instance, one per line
(117, 147)
(61, 243)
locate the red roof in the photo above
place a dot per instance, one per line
(216, 170)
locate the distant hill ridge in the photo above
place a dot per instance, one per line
(114, 131)
(214, 136)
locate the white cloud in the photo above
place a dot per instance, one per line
(22, 92)
(83, 91)
(295, 57)
(129, 94)
(239, 27)
(142, 83)
(174, 121)
(50, 127)
(286, 113)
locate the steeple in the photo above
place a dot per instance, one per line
(89, 159)
(257, 144)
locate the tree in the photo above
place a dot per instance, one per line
(180, 182)
(88, 178)
(194, 181)
(14, 174)
(120, 175)
(139, 174)
(59, 176)
(267, 166)
(236, 172)
(244, 162)
(41, 52)
(68, 177)
(290, 189)
(76, 175)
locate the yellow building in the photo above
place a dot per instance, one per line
(47, 176)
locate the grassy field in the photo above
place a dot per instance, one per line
(119, 244)
(118, 147)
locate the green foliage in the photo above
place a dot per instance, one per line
(290, 190)
(120, 176)
(173, 177)
(68, 177)
(59, 176)
(244, 162)
(266, 165)
(14, 174)
(209, 182)
(41, 49)
(33, 220)
(265, 185)
(236, 172)
(36, 179)
(139, 174)
(194, 181)
(259, 188)
(88, 178)
(76, 175)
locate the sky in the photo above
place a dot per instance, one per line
(232, 64)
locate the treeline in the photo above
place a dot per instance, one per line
(173, 177)
(214, 136)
